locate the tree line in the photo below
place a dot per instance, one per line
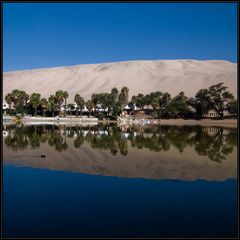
(156, 104)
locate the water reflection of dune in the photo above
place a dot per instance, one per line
(91, 156)
(137, 164)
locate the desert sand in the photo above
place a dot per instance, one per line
(144, 77)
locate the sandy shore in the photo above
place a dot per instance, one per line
(202, 122)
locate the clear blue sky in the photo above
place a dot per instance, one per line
(39, 35)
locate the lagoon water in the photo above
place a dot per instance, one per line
(119, 181)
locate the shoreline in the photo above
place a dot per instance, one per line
(202, 122)
(179, 122)
(192, 122)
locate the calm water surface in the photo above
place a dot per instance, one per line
(119, 181)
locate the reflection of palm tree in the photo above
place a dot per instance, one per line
(34, 140)
(123, 146)
(65, 146)
(165, 143)
(78, 141)
(60, 146)
(159, 138)
(59, 95)
(114, 148)
(231, 138)
(215, 153)
(44, 137)
(71, 132)
(57, 141)
(55, 137)
(179, 138)
(16, 142)
(154, 143)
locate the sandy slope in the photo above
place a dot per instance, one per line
(139, 76)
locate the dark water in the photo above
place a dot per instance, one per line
(112, 181)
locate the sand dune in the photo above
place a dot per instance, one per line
(172, 76)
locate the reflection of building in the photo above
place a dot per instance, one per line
(226, 132)
(126, 135)
(148, 135)
(5, 107)
(5, 133)
(101, 133)
(211, 131)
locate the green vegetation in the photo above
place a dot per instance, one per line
(44, 105)
(35, 101)
(110, 105)
(80, 103)
(215, 97)
(53, 105)
(232, 107)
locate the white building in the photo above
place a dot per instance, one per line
(213, 114)
(127, 107)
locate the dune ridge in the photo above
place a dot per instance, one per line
(141, 76)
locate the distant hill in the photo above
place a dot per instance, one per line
(144, 77)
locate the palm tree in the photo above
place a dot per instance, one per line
(79, 101)
(35, 101)
(65, 96)
(95, 101)
(105, 100)
(123, 97)
(52, 104)
(89, 105)
(166, 98)
(137, 101)
(155, 105)
(45, 105)
(25, 100)
(115, 94)
(59, 97)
